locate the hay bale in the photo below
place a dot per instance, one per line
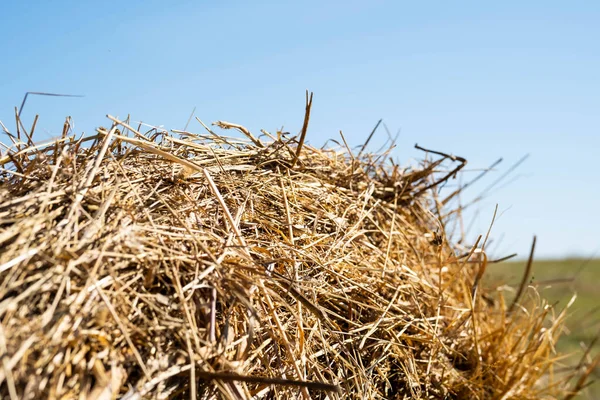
(167, 266)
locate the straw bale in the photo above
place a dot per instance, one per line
(178, 265)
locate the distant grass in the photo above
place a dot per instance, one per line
(557, 281)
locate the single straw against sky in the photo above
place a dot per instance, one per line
(481, 81)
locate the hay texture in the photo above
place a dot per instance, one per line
(153, 265)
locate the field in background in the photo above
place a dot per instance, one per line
(557, 281)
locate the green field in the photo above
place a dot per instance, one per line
(557, 281)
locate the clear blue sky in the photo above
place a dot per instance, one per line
(480, 79)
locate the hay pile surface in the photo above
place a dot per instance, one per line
(159, 265)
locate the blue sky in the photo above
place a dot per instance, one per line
(479, 79)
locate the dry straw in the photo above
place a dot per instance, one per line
(155, 265)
